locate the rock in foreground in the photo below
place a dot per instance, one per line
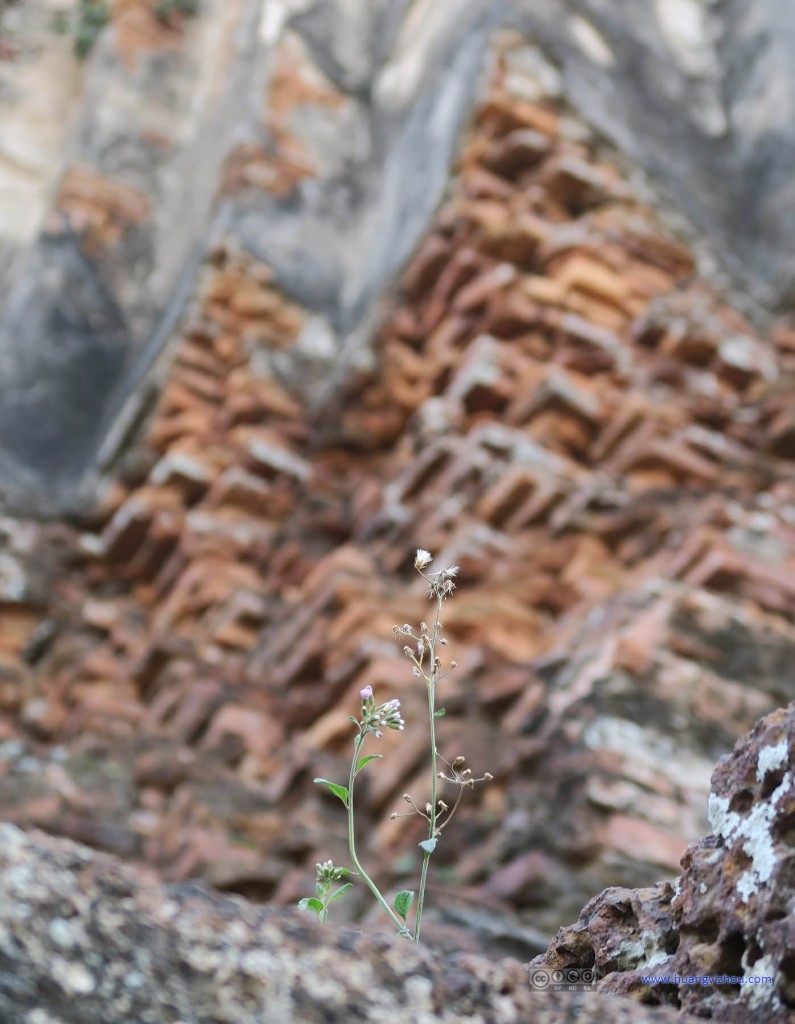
(730, 915)
(86, 938)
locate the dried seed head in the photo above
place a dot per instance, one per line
(453, 664)
(487, 777)
(459, 760)
(422, 558)
(407, 798)
(428, 808)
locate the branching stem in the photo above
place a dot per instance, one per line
(432, 830)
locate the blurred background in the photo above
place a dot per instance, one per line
(291, 288)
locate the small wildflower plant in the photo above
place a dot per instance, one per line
(421, 647)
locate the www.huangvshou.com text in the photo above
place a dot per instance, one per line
(706, 980)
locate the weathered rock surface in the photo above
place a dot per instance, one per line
(700, 95)
(85, 939)
(729, 916)
(320, 135)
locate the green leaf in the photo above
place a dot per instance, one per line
(439, 714)
(403, 901)
(340, 891)
(429, 845)
(340, 791)
(323, 915)
(310, 903)
(364, 760)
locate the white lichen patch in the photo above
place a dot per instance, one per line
(648, 753)
(592, 43)
(629, 954)
(657, 960)
(762, 992)
(771, 758)
(420, 991)
(62, 933)
(40, 1017)
(752, 832)
(74, 979)
(204, 959)
(684, 27)
(652, 952)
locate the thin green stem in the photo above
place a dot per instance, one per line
(431, 681)
(357, 746)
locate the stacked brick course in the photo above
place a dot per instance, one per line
(558, 405)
